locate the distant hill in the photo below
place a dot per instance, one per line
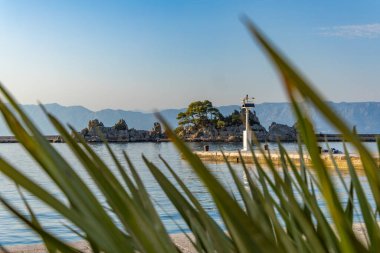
(364, 115)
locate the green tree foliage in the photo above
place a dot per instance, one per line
(234, 119)
(202, 113)
(220, 124)
(237, 118)
(199, 114)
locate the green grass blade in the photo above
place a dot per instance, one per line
(295, 84)
(240, 227)
(53, 242)
(193, 218)
(35, 221)
(349, 210)
(221, 241)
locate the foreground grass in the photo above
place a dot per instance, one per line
(268, 219)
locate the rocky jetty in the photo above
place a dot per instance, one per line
(201, 121)
(225, 134)
(234, 132)
(277, 132)
(211, 132)
(230, 133)
(96, 132)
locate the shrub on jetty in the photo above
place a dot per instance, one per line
(268, 219)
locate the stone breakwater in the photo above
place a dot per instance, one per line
(97, 132)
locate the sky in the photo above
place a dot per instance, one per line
(154, 54)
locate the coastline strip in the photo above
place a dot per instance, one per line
(320, 138)
(180, 240)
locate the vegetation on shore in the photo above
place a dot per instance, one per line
(268, 219)
(203, 114)
(203, 122)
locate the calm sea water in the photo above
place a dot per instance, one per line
(12, 232)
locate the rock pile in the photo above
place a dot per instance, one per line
(232, 133)
(96, 132)
(235, 133)
(280, 132)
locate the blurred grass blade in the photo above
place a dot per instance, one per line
(52, 241)
(35, 221)
(295, 84)
(192, 217)
(240, 226)
(349, 211)
(220, 239)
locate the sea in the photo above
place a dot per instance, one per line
(13, 232)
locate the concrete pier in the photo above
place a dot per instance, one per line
(339, 137)
(233, 156)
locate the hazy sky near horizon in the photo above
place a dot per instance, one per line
(154, 54)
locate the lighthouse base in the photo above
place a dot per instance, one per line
(247, 139)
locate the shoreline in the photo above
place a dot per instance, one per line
(320, 138)
(180, 240)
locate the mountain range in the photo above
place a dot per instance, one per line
(364, 115)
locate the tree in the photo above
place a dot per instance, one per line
(234, 119)
(237, 118)
(199, 113)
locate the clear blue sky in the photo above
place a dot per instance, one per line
(165, 54)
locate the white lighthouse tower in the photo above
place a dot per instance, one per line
(247, 133)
